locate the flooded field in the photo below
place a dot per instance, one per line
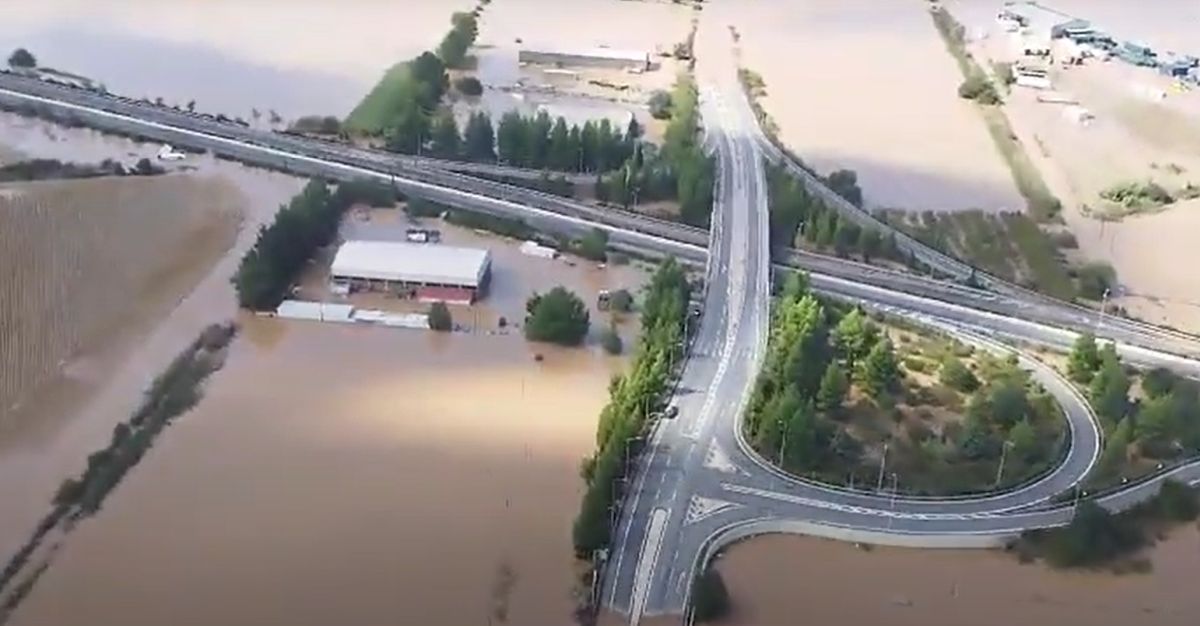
(302, 57)
(99, 382)
(1132, 138)
(351, 475)
(95, 256)
(876, 83)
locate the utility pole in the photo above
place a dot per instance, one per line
(882, 465)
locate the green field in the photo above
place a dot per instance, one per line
(380, 108)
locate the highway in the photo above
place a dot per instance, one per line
(697, 484)
(627, 230)
(649, 570)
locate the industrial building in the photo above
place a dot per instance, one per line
(592, 57)
(427, 272)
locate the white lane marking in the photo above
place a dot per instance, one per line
(849, 508)
(646, 561)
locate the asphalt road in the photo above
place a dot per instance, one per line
(649, 570)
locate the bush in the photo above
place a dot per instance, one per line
(1177, 502)
(710, 598)
(956, 375)
(1132, 195)
(621, 300)
(611, 342)
(317, 124)
(978, 88)
(22, 59)
(439, 317)
(594, 245)
(660, 105)
(559, 317)
(1094, 279)
(1094, 536)
(469, 86)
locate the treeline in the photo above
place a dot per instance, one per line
(817, 354)
(680, 171)
(633, 397)
(175, 391)
(532, 142)
(308, 222)
(400, 106)
(806, 375)
(53, 169)
(1096, 537)
(794, 210)
(1163, 425)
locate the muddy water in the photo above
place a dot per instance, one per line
(773, 579)
(49, 439)
(348, 475)
(515, 276)
(297, 57)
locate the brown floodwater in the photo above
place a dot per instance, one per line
(230, 56)
(99, 384)
(773, 579)
(348, 475)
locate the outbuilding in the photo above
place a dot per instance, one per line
(428, 272)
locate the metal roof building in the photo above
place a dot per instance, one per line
(411, 264)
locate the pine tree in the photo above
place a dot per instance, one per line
(1024, 441)
(1109, 388)
(446, 142)
(834, 386)
(561, 157)
(480, 138)
(880, 372)
(1084, 359)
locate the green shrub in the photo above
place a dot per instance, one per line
(978, 88)
(468, 86)
(439, 317)
(558, 316)
(710, 598)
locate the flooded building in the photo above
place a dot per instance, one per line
(590, 57)
(428, 272)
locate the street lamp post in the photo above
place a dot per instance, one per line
(1000, 470)
(1103, 306)
(895, 489)
(882, 465)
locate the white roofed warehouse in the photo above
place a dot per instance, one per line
(430, 272)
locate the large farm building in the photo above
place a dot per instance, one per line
(430, 272)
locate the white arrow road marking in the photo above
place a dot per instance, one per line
(717, 459)
(701, 508)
